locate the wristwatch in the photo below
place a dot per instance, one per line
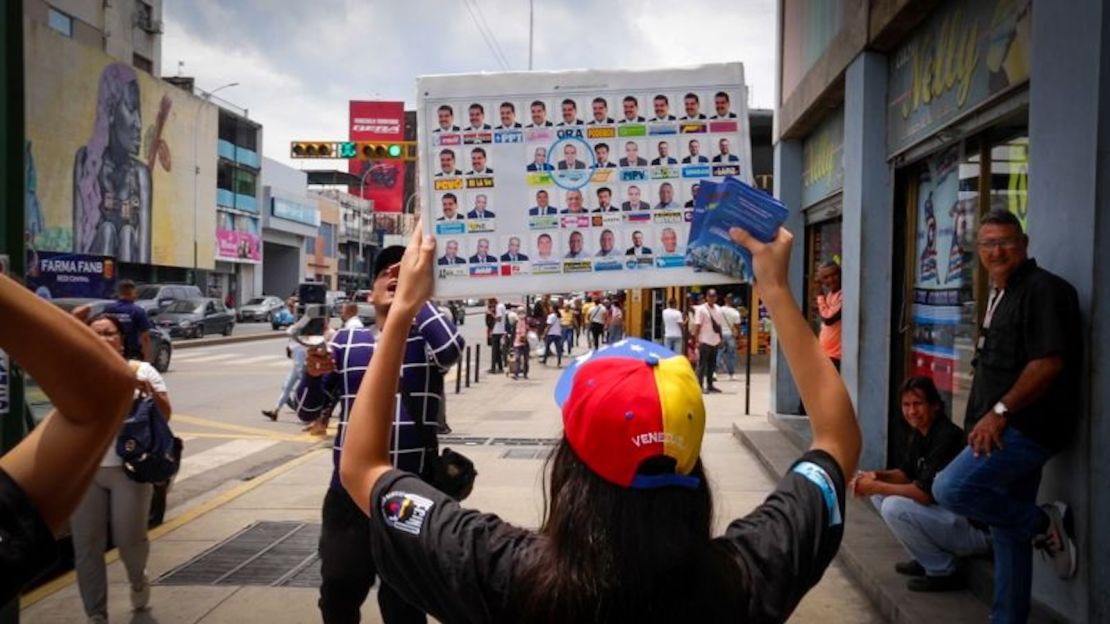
(1000, 409)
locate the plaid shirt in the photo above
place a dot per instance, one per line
(433, 347)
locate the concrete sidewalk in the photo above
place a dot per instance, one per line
(505, 427)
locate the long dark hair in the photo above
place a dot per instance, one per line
(609, 553)
(928, 389)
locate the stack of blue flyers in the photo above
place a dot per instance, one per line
(723, 205)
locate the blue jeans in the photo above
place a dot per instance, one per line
(726, 354)
(1000, 490)
(674, 343)
(294, 377)
(568, 338)
(935, 537)
(553, 339)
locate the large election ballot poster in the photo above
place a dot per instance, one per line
(576, 180)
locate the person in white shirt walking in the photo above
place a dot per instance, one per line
(672, 327)
(496, 309)
(349, 315)
(707, 323)
(730, 329)
(554, 335)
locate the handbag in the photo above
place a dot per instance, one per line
(148, 448)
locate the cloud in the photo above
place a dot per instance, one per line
(298, 63)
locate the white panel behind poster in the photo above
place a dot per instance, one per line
(575, 180)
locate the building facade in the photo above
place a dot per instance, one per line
(289, 217)
(355, 238)
(899, 124)
(322, 250)
(238, 205)
(128, 31)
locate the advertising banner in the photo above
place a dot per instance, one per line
(54, 275)
(384, 179)
(238, 239)
(118, 162)
(823, 160)
(578, 180)
(964, 55)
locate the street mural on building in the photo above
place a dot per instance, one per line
(113, 153)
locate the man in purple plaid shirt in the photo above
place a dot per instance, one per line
(433, 346)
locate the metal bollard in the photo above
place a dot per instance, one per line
(458, 377)
(477, 361)
(467, 366)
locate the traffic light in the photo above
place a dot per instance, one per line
(314, 149)
(386, 150)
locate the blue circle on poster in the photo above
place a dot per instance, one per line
(571, 179)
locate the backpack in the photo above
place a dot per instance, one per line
(150, 452)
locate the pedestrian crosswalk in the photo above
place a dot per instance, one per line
(210, 359)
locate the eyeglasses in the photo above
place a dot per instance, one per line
(999, 243)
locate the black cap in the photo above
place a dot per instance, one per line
(386, 258)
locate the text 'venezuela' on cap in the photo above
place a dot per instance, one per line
(630, 403)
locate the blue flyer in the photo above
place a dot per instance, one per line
(723, 205)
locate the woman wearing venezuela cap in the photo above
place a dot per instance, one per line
(626, 537)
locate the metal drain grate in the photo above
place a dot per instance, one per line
(525, 453)
(458, 440)
(272, 554)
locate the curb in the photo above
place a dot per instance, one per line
(206, 342)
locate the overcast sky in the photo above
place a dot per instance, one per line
(298, 63)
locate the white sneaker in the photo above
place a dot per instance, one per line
(140, 598)
(1057, 545)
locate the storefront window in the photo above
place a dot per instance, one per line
(946, 201)
(823, 244)
(1010, 177)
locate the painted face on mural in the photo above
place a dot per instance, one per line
(127, 121)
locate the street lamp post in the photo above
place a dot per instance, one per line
(362, 209)
(207, 97)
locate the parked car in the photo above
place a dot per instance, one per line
(159, 340)
(362, 295)
(194, 318)
(260, 309)
(155, 297)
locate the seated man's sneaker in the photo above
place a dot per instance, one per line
(1057, 544)
(909, 568)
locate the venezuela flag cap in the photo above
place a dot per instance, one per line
(633, 413)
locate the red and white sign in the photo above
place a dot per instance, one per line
(384, 180)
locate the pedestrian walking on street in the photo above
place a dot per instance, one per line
(672, 327)
(296, 352)
(707, 330)
(616, 323)
(627, 532)
(598, 318)
(116, 501)
(45, 476)
(431, 346)
(566, 321)
(553, 336)
(134, 321)
(496, 319)
(727, 357)
(521, 349)
(1022, 410)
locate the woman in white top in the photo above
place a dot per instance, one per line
(114, 499)
(672, 327)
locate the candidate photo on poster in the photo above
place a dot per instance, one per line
(570, 157)
(691, 194)
(639, 242)
(608, 244)
(665, 196)
(575, 202)
(449, 208)
(632, 157)
(633, 199)
(543, 205)
(663, 154)
(670, 241)
(445, 119)
(725, 150)
(447, 164)
(539, 160)
(481, 208)
(661, 105)
(479, 163)
(513, 249)
(451, 255)
(722, 106)
(568, 108)
(476, 113)
(691, 105)
(599, 109)
(576, 246)
(604, 195)
(630, 109)
(693, 152)
(547, 247)
(507, 113)
(601, 156)
(483, 253)
(538, 114)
